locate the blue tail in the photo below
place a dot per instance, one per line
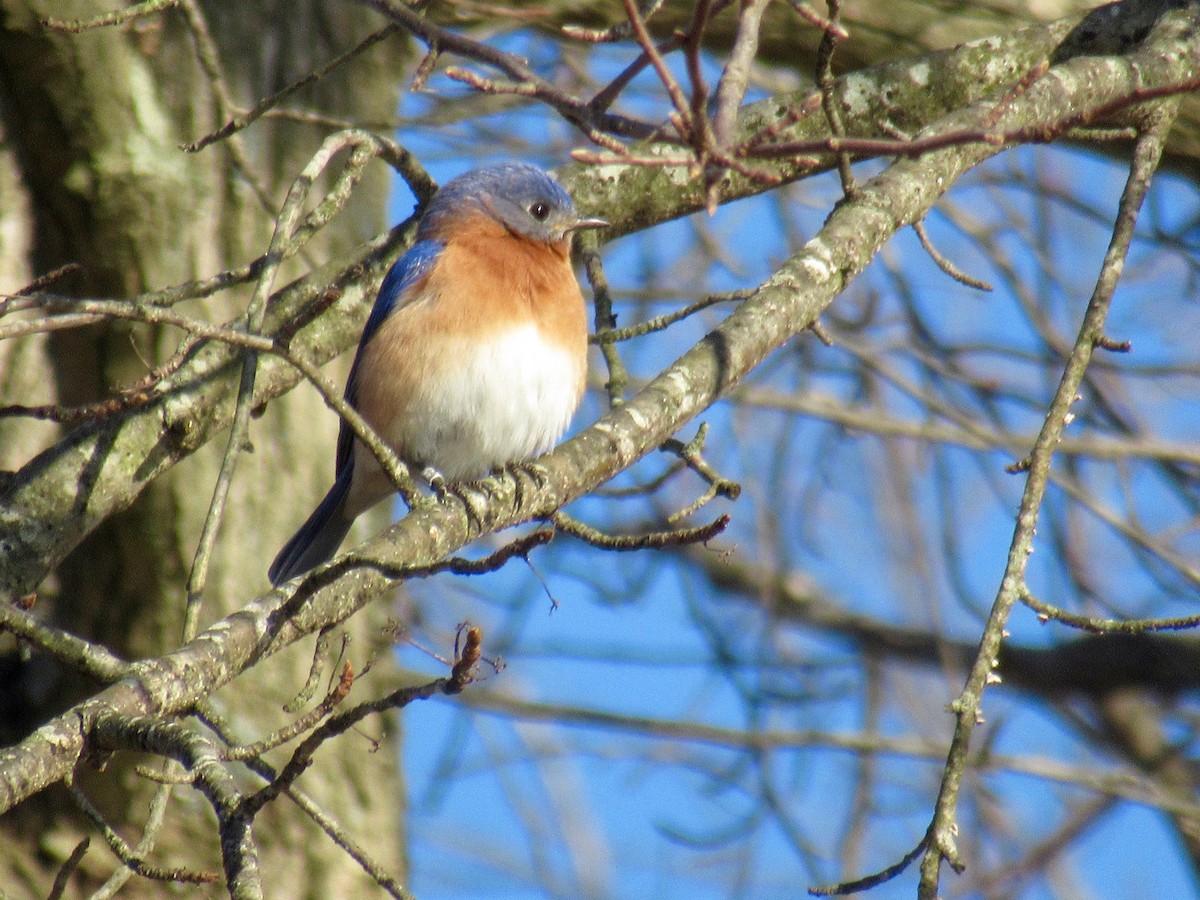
(319, 537)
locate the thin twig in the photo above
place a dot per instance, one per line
(654, 540)
(93, 660)
(871, 881)
(622, 31)
(310, 808)
(243, 120)
(145, 844)
(518, 549)
(209, 56)
(127, 854)
(116, 17)
(573, 109)
(461, 674)
(829, 102)
(297, 727)
(967, 707)
(944, 264)
(665, 321)
(1046, 612)
(67, 869)
(692, 453)
(605, 326)
(683, 114)
(731, 89)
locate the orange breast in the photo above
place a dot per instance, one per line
(490, 279)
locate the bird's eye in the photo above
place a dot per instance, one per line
(539, 211)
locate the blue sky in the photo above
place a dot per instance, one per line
(505, 808)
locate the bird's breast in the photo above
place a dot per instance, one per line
(465, 404)
(486, 366)
(487, 279)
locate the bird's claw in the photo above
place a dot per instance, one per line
(437, 482)
(534, 470)
(467, 493)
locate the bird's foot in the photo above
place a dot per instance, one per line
(468, 493)
(532, 469)
(436, 481)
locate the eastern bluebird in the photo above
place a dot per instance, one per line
(474, 355)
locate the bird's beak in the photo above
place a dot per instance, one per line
(583, 224)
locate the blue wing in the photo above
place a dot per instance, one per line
(393, 294)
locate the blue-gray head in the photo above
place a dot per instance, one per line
(521, 197)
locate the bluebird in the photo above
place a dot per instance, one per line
(474, 355)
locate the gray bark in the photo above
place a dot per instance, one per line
(91, 173)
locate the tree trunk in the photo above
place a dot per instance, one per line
(92, 174)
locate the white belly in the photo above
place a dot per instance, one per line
(509, 400)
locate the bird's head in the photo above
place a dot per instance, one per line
(521, 197)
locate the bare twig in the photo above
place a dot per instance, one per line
(67, 869)
(682, 119)
(116, 17)
(655, 540)
(310, 808)
(296, 728)
(127, 854)
(461, 674)
(663, 322)
(692, 454)
(942, 846)
(518, 549)
(244, 119)
(112, 731)
(145, 845)
(622, 31)
(606, 326)
(829, 102)
(944, 264)
(731, 88)
(1047, 612)
(209, 57)
(872, 881)
(93, 660)
(580, 113)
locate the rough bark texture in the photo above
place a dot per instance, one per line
(91, 173)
